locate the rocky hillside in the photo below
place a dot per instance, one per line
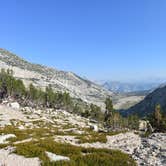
(147, 106)
(34, 137)
(41, 76)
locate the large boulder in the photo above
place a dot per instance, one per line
(143, 125)
(14, 105)
(94, 127)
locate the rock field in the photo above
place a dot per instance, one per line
(149, 151)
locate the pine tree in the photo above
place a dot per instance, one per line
(95, 112)
(66, 99)
(109, 111)
(32, 92)
(109, 105)
(18, 88)
(157, 114)
(49, 96)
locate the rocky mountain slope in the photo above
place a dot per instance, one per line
(147, 106)
(42, 76)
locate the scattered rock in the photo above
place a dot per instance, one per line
(3, 138)
(21, 127)
(14, 105)
(53, 157)
(152, 151)
(125, 142)
(143, 125)
(146, 151)
(7, 158)
(94, 127)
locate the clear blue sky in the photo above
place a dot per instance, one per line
(98, 39)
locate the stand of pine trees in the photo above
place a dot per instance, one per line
(12, 87)
(114, 121)
(158, 119)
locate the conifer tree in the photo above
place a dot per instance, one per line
(109, 111)
(157, 114)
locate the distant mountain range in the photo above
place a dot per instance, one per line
(130, 88)
(41, 76)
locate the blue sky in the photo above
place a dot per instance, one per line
(98, 39)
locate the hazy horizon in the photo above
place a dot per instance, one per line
(111, 40)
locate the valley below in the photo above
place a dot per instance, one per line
(126, 102)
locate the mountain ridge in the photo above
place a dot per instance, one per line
(41, 76)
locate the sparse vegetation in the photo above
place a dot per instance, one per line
(43, 140)
(92, 137)
(35, 133)
(79, 156)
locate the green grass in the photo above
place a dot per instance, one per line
(92, 137)
(79, 156)
(36, 133)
